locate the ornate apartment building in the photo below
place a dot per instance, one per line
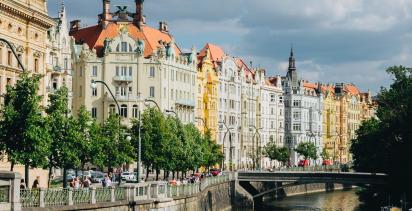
(303, 111)
(25, 24)
(58, 55)
(272, 114)
(136, 61)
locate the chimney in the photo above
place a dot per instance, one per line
(105, 17)
(74, 25)
(138, 19)
(163, 27)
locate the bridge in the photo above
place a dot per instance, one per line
(278, 181)
(354, 178)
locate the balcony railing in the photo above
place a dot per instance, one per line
(123, 78)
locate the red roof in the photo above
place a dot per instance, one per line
(271, 81)
(94, 36)
(310, 85)
(352, 89)
(216, 52)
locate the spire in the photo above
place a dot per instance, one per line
(292, 74)
(292, 61)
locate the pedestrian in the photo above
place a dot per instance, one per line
(77, 182)
(86, 182)
(36, 183)
(107, 182)
(22, 184)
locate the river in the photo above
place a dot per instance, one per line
(334, 201)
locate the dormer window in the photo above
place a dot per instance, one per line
(124, 47)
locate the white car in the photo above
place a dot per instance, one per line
(128, 176)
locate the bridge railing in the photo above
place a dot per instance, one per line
(129, 192)
(329, 168)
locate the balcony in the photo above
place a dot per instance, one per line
(119, 98)
(123, 78)
(187, 103)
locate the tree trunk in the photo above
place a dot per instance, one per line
(49, 176)
(147, 172)
(64, 178)
(157, 174)
(12, 165)
(173, 174)
(26, 174)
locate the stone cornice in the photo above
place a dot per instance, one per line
(26, 13)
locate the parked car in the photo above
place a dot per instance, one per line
(215, 172)
(128, 176)
(327, 163)
(96, 176)
(303, 163)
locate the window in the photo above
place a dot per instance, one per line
(112, 109)
(171, 94)
(172, 75)
(9, 58)
(272, 111)
(135, 111)
(94, 92)
(296, 103)
(123, 111)
(36, 65)
(152, 91)
(94, 112)
(130, 89)
(130, 71)
(280, 99)
(164, 92)
(117, 71)
(94, 71)
(152, 72)
(66, 63)
(124, 46)
(272, 98)
(272, 124)
(296, 126)
(123, 91)
(296, 115)
(124, 71)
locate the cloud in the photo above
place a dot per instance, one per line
(339, 40)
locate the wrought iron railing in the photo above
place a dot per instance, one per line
(103, 195)
(30, 198)
(55, 197)
(82, 196)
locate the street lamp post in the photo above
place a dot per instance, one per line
(204, 124)
(171, 111)
(255, 163)
(147, 101)
(14, 53)
(93, 85)
(224, 140)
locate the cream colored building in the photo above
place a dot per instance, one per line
(24, 23)
(136, 61)
(58, 56)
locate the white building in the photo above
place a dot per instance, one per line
(272, 114)
(303, 111)
(136, 61)
(58, 56)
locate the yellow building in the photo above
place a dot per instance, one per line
(207, 92)
(345, 107)
(24, 23)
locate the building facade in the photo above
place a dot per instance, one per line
(24, 23)
(272, 114)
(303, 112)
(136, 61)
(58, 56)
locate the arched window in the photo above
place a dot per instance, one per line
(112, 109)
(135, 111)
(123, 111)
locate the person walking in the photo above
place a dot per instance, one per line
(36, 183)
(22, 184)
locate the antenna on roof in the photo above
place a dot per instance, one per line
(251, 65)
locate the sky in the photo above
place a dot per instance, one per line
(351, 41)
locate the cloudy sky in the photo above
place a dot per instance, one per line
(334, 40)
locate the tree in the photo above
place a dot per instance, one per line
(307, 150)
(24, 128)
(115, 149)
(64, 134)
(213, 151)
(280, 154)
(325, 155)
(383, 144)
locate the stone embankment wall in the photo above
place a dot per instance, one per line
(311, 188)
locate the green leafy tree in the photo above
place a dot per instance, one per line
(307, 150)
(115, 149)
(24, 128)
(280, 154)
(64, 133)
(383, 144)
(325, 155)
(213, 153)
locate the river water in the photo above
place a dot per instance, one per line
(346, 200)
